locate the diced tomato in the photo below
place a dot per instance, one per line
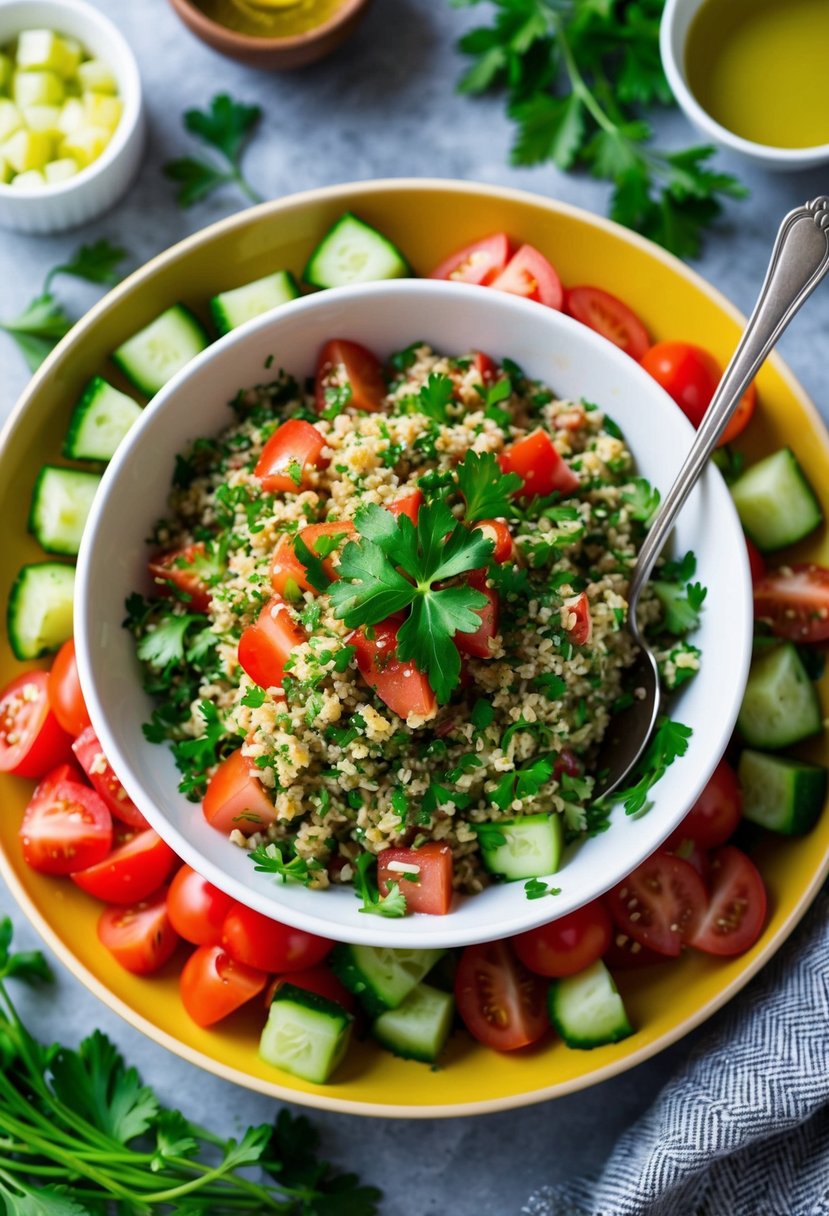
(342, 529)
(480, 262)
(32, 740)
(566, 762)
(542, 469)
(714, 817)
(756, 561)
(794, 601)
(65, 696)
(403, 688)
(502, 1004)
(579, 622)
(265, 646)
(569, 944)
(736, 911)
(529, 274)
(320, 979)
(409, 504)
(185, 571)
(132, 871)
(66, 826)
(661, 904)
(608, 316)
(196, 908)
(254, 939)
(427, 885)
(94, 763)
(498, 532)
(236, 798)
(485, 366)
(140, 937)
(477, 643)
(291, 455)
(342, 362)
(213, 985)
(287, 571)
(690, 375)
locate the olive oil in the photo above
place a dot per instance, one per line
(760, 68)
(270, 18)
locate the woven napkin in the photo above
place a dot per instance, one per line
(743, 1129)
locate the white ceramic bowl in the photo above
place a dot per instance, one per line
(677, 18)
(95, 189)
(386, 317)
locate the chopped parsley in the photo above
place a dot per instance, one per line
(271, 859)
(680, 605)
(487, 490)
(535, 888)
(392, 904)
(434, 397)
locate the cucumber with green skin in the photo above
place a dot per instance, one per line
(354, 252)
(775, 501)
(39, 613)
(587, 1010)
(230, 309)
(784, 795)
(305, 1034)
(61, 502)
(780, 704)
(153, 356)
(100, 420)
(420, 1025)
(381, 976)
(525, 847)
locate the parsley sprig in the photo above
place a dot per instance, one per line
(226, 128)
(487, 491)
(392, 904)
(669, 743)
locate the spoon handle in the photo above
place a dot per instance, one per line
(799, 261)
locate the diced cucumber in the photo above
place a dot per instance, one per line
(96, 77)
(61, 502)
(43, 118)
(99, 421)
(528, 847)
(60, 170)
(39, 614)
(381, 976)
(25, 181)
(232, 308)
(354, 252)
(153, 356)
(38, 89)
(586, 1008)
(776, 504)
(784, 795)
(27, 150)
(85, 144)
(419, 1027)
(101, 110)
(11, 119)
(71, 116)
(46, 50)
(305, 1034)
(780, 704)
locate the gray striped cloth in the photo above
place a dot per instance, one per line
(743, 1129)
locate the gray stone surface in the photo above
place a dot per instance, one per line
(384, 106)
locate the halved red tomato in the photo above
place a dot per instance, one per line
(403, 688)
(132, 871)
(608, 316)
(794, 601)
(185, 571)
(32, 740)
(756, 561)
(624, 954)
(498, 532)
(66, 826)
(569, 944)
(290, 456)
(690, 375)
(480, 262)
(213, 985)
(94, 763)
(539, 465)
(529, 274)
(424, 876)
(485, 366)
(477, 643)
(140, 937)
(265, 646)
(661, 904)
(236, 798)
(320, 979)
(502, 1004)
(714, 817)
(409, 504)
(579, 621)
(65, 696)
(342, 362)
(197, 909)
(736, 911)
(254, 939)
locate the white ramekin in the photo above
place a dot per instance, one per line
(79, 199)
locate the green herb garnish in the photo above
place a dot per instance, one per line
(225, 128)
(487, 490)
(534, 888)
(392, 904)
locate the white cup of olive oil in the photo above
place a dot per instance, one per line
(753, 75)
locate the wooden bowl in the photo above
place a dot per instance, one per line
(274, 54)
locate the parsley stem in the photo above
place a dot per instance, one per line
(577, 81)
(245, 186)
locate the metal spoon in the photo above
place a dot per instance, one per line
(799, 261)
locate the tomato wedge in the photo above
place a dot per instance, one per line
(502, 1004)
(139, 937)
(132, 871)
(342, 363)
(477, 644)
(409, 504)
(290, 457)
(424, 876)
(254, 939)
(737, 909)
(529, 274)
(186, 572)
(196, 908)
(539, 465)
(265, 646)
(478, 263)
(661, 904)
(213, 985)
(65, 696)
(608, 316)
(236, 798)
(794, 601)
(66, 826)
(485, 366)
(690, 375)
(32, 740)
(400, 685)
(578, 622)
(756, 561)
(498, 532)
(94, 763)
(289, 574)
(568, 944)
(715, 815)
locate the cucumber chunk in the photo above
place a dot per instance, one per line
(382, 977)
(783, 795)
(99, 422)
(780, 704)
(529, 847)
(39, 614)
(153, 356)
(305, 1034)
(232, 308)
(419, 1027)
(776, 504)
(354, 252)
(586, 1008)
(61, 502)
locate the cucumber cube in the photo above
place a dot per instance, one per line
(6, 171)
(529, 847)
(47, 50)
(60, 170)
(27, 150)
(419, 1027)
(85, 145)
(102, 111)
(780, 705)
(776, 504)
(587, 1010)
(38, 89)
(43, 118)
(95, 76)
(71, 116)
(780, 794)
(11, 119)
(31, 178)
(305, 1034)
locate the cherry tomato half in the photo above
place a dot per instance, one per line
(661, 904)
(501, 1003)
(213, 985)
(185, 573)
(569, 944)
(756, 561)
(94, 763)
(196, 908)
(236, 798)
(794, 601)
(344, 363)
(479, 263)
(529, 274)
(140, 937)
(539, 465)
(737, 909)
(265, 646)
(132, 871)
(66, 826)
(477, 644)
(409, 504)
(714, 817)
(608, 316)
(65, 696)
(400, 685)
(690, 375)
(254, 939)
(427, 886)
(32, 740)
(290, 456)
